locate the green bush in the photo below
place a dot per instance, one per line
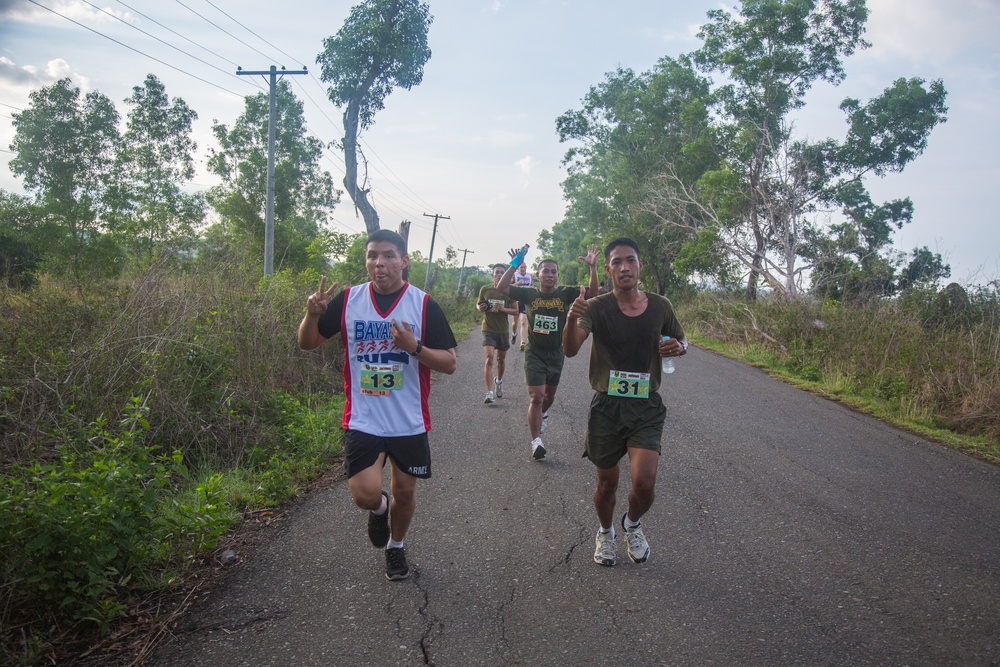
(76, 530)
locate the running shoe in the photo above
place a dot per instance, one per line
(395, 564)
(490, 397)
(545, 421)
(522, 346)
(604, 553)
(498, 383)
(513, 337)
(537, 449)
(378, 525)
(638, 547)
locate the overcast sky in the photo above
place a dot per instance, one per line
(476, 141)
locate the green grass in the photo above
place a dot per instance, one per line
(938, 382)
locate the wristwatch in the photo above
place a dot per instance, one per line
(417, 349)
(684, 344)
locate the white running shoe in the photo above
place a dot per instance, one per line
(490, 398)
(498, 385)
(537, 449)
(545, 422)
(604, 553)
(638, 547)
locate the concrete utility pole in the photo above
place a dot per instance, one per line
(430, 256)
(271, 122)
(462, 272)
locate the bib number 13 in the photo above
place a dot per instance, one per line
(628, 385)
(379, 380)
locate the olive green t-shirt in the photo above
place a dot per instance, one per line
(625, 343)
(495, 321)
(546, 313)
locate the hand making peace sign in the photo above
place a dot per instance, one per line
(318, 301)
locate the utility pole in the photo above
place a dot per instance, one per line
(272, 120)
(462, 272)
(430, 256)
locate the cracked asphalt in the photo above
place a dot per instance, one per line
(787, 530)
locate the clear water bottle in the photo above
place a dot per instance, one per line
(667, 363)
(518, 257)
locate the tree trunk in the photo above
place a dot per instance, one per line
(358, 196)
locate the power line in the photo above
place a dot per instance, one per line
(165, 43)
(250, 31)
(207, 20)
(200, 46)
(131, 48)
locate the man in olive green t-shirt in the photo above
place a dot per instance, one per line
(496, 333)
(627, 413)
(546, 307)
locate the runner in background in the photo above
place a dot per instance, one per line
(496, 339)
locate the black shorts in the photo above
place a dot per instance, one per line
(617, 423)
(520, 307)
(412, 453)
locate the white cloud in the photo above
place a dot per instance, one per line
(927, 30)
(526, 165)
(29, 77)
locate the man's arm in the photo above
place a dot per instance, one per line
(505, 280)
(593, 289)
(573, 336)
(442, 361)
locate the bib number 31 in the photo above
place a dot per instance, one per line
(628, 385)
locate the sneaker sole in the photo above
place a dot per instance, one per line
(539, 453)
(397, 577)
(604, 563)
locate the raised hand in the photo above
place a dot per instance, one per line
(591, 257)
(319, 300)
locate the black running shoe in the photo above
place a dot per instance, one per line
(378, 525)
(395, 564)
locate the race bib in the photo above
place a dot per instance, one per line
(380, 379)
(545, 324)
(628, 385)
(495, 305)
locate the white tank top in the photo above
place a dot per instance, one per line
(386, 388)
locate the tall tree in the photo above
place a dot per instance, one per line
(765, 203)
(771, 55)
(154, 160)
(304, 194)
(64, 147)
(382, 45)
(630, 128)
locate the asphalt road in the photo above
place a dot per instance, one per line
(787, 530)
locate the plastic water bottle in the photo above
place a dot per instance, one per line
(667, 363)
(518, 257)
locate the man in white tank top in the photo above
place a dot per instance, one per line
(393, 336)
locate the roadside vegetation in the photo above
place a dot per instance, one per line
(928, 361)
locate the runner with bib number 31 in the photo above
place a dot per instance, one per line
(626, 413)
